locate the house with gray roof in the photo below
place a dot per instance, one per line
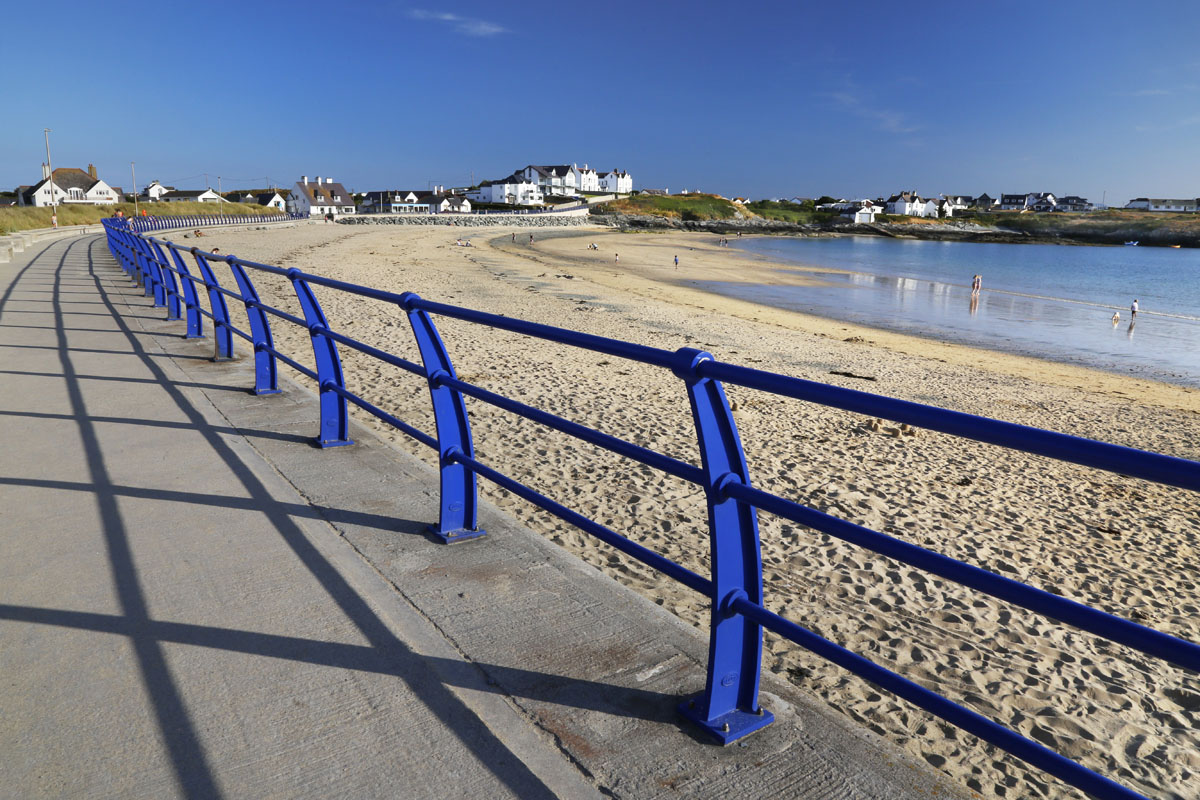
(69, 185)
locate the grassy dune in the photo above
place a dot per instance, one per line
(23, 218)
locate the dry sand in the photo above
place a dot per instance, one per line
(1119, 544)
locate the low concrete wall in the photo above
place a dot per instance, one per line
(576, 217)
(17, 242)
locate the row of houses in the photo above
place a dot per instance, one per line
(911, 204)
(533, 184)
(1189, 205)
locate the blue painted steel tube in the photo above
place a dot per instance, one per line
(170, 284)
(154, 269)
(457, 517)
(394, 421)
(191, 301)
(334, 428)
(375, 352)
(984, 728)
(266, 378)
(1101, 455)
(222, 339)
(1149, 641)
(648, 557)
(621, 447)
(728, 709)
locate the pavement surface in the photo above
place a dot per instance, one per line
(195, 601)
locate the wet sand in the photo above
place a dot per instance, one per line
(1120, 544)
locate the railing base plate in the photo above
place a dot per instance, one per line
(323, 443)
(264, 392)
(727, 727)
(454, 537)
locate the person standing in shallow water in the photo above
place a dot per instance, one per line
(1133, 309)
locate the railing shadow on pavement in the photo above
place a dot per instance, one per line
(728, 708)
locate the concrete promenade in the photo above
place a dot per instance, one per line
(197, 602)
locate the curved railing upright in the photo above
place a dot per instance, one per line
(728, 708)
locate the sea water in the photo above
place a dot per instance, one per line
(1051, 301)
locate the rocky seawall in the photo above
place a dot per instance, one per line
(1098, 232)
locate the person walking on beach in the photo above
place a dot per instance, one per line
(676, 262)
(514, 241)
(616, 258)
(976, 283)
(1133, 309)
(531, 238)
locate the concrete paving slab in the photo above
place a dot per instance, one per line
(208, 605)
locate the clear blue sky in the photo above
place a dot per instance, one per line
(750, 98)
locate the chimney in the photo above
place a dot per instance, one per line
(328, 180)
(45, 171)
(304, 179)
(92, 171)
(318, 180)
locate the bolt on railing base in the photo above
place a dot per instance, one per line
(265, 392)
(326, 443)
(728, 727)
(460, 535)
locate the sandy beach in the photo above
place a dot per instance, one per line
(1119, 544)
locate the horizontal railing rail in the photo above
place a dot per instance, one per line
(728, 708)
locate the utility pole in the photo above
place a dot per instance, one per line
(219, 186)
(50, 166)
(133, 172)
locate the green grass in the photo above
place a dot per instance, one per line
(785, 211)
(24, 218)
(686, 207)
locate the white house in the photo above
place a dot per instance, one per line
(952, 203)
(861, 211)
(394, 201)
(589, 180)
(617, 182)
(69, 185)
(515, 190)
(192, 196)
(555, 180)
(1142, 203)
(1165, 204)
(447, 204)
(907, 204)
(316, 199)
(154, 192)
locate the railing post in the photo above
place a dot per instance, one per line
(170, 284)
(335, 417)
(266, 378)
(154, 270)
(728, 708)
(222, 336)
(457, 517)
(191, 301)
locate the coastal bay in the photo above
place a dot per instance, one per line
(1116, 543)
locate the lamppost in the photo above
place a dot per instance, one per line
(133, 172)
(50, 166)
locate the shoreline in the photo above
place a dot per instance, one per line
(1115, 543)
(738, 266)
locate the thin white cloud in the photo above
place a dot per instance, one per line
(467, 26)
(887, 119)
(1151, 92)
(1186, 122)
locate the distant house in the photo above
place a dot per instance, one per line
(1073, 203)
(1140, 203)
(1041, 202)
(617, 182)
(318, 198)
(1013, 202)
(1187, 206)
(192, 196)
(984, 202)
(394, 201)
(861, 211)
(589, 179)
(154, 192)
(556, 180)
(953, 203)
(69, 186)
(515, 190)
(907, 204)
(447, 203)
(741, 201)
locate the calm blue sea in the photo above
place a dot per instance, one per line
(1050, 301)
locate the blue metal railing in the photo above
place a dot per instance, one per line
(162, 223)
(728, 708)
